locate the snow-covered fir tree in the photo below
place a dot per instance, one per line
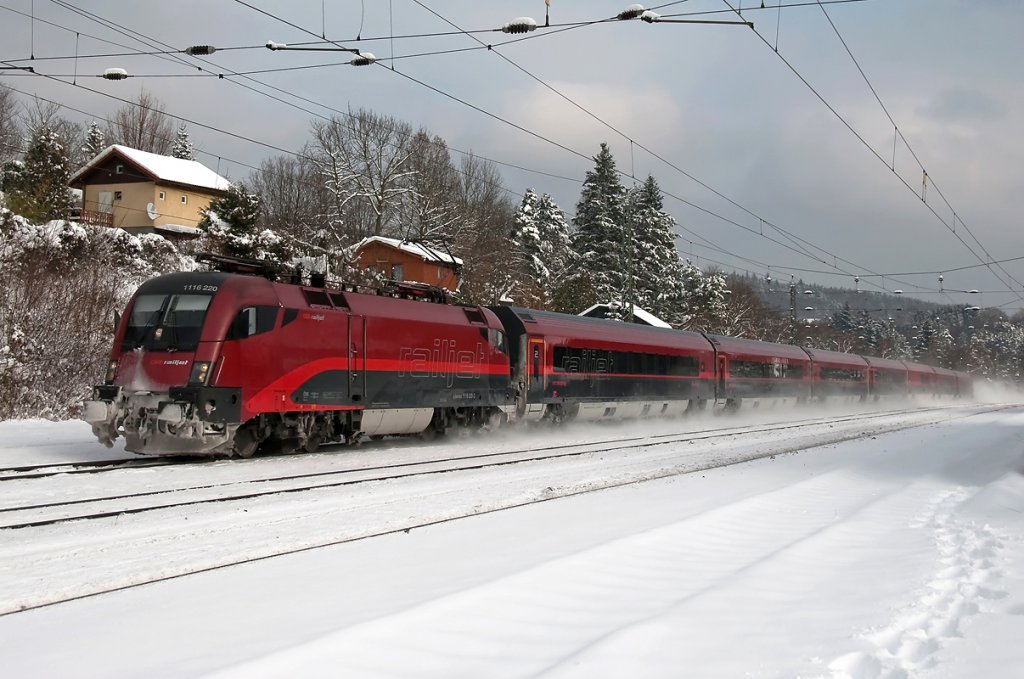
(231, 224)
(182, 147)
(703, 302)
(94, 141)
(657, 271)
(38, 189)
(600, 238)
(540, 235)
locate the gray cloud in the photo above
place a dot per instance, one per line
(960, 104)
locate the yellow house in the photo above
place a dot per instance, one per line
(146, 192)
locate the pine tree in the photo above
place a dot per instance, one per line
(540, 235)
(231, 224)
(94, 141)
(182, 145)
(657, 273)
(703, 301)
(600, 238)
(39, 190)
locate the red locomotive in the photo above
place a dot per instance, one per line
(224, 362)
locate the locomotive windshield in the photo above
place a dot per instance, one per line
(166, 322)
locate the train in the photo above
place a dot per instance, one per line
(243, 357)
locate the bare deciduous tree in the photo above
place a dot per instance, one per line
(487, 215)
(10, 134)
(295, 203)
(363, 160)
(431, 210)
(142, 125)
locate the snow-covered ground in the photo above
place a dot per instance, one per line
(900, 554)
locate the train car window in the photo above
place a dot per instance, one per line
(682, 366)
(166, 322)
(474, 315)
(338, 299)
(316, 297)
(289, 316)
(889, 377)
(251, 321)
(576, 360)
(144, 317)
(842, 374)
(498, 340)
(767, 370)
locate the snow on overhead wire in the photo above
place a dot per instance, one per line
(520, 25)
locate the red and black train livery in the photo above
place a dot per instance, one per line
(223, 362)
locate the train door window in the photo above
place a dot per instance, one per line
(289, 316)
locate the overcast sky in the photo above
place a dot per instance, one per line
(715, 102)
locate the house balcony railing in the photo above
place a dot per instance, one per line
(97, 218)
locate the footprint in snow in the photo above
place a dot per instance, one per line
(966, 575)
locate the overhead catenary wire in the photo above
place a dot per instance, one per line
(527, 131)
(583, 155)
(875, 153)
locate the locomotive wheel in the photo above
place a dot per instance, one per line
(246, 442)
(436, 427)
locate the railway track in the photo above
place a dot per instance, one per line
(773, 440)
(40, 514)
(42, 471)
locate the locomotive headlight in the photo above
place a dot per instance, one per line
(111, 372)
(200, 372)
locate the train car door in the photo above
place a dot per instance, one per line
(723, 364)
(356, 358)
(535, 370)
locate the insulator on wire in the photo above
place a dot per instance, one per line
(115, 74)
(200, 50)
(520, 25)
(271, 45)
(631, 12)
(650, 17)
(364, 59)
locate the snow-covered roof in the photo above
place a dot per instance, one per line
(427, 254)
(638, 313)
(163, 168)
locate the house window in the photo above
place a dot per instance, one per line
(117, 195)
(184, 200)
(396, 272)
(119, 169)
(162, 195)
(440, 273)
